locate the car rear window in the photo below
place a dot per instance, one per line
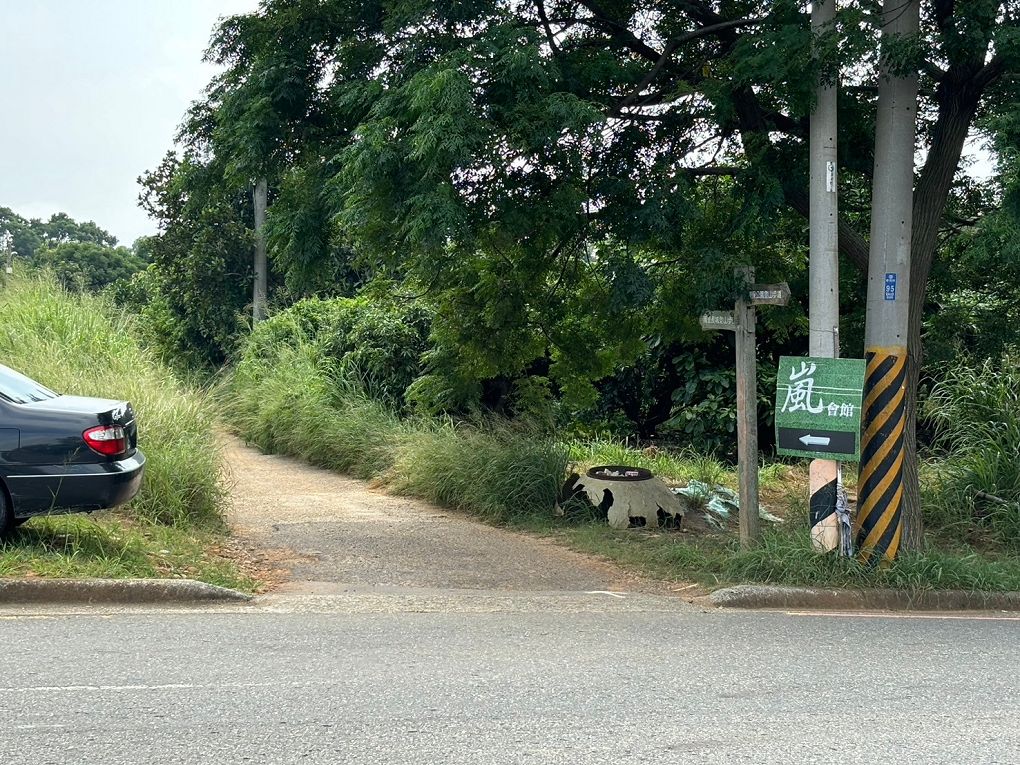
(15, 387)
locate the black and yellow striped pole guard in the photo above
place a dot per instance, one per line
(879, 523)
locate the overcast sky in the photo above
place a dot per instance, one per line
(91, 95)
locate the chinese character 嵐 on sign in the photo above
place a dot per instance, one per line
(799, 394)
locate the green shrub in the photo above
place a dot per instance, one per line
(379, 342)
(299, 404)
(493, 469)
(83, 345)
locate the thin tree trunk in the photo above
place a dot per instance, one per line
(259, 288)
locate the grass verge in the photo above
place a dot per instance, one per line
(783, 557)
(116, 545)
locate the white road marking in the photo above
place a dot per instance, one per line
(154, 687)
(606, 592)
(890, 615)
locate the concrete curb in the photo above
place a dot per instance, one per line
(765, 596)
(117, 591)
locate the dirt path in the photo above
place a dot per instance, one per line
(335, 533)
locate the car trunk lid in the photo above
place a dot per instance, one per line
(107, 412)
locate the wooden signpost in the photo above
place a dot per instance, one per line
(741, 321)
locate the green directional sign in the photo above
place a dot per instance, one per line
(818, 407)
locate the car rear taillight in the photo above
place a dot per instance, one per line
(108, 440)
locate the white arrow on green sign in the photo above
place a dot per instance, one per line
(810, 440)
(818, 407)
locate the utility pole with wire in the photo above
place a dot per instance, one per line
(880, 486)
(823, 296)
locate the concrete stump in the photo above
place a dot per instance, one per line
(630, 496)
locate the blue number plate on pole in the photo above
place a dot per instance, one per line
(890, 286)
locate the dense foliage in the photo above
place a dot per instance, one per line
(32, 234)
(977, 416)
(84, 266)
(378, 342)
(201, 273)
(567, 184)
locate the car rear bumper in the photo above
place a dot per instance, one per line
(76, 488)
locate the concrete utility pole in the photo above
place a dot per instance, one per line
(259, 295)
(880, 488)
(7, 246)
(823, 296)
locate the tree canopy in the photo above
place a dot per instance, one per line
(31, 234)
(569, 183)
(81, 254)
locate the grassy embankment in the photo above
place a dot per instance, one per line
(294, 403)
(80, 344)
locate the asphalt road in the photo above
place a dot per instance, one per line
(560, 679)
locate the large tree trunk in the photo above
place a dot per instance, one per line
(958, 100)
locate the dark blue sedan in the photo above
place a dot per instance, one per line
(63, 454)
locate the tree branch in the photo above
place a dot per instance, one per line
(622, 33)
(540, 7)
(990, 72)
(713, 170)
(933, 70)
(671, 47)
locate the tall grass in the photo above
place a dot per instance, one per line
(492, 469)
(80, 344)
(977, 415)
(295, 403)
(786, 558)
(783, 558)
(683, 466)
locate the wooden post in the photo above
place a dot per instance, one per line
(741, 322)
(747, 411)
(258, 311)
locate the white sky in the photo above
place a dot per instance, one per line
(91, 95)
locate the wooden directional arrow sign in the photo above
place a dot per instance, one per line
(769, 294)
(719, 320)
